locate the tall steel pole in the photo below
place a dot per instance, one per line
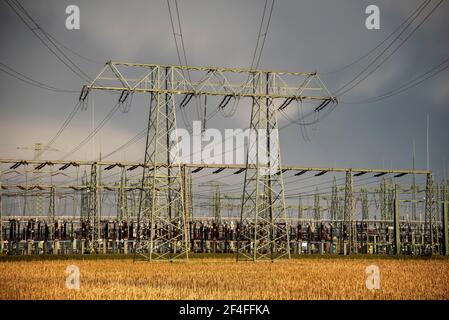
(263, 203)
(429, 219)
(93, 209)
(349, 211)
(397, 230)
(414, 213)
(162, 197)
(445, 208)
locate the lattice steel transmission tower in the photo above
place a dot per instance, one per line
(122, 203)
(384, 200)
(84, 209)
(334, 209)
(430, 216)
(38, 203)
(349, 212)
(300, 210)
(217, 205)
(364, 203)
(162, 203)
(263, 190)
(94, 212)
(52, 205)
(316, 206)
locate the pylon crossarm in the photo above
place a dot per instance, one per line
(214, 81)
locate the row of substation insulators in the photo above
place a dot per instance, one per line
(198, 230)
(231, 231)
(110, 230)
(38, 230)
(42, 231)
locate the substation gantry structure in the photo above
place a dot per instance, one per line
(348, 233)
(162, 207)
(38, 149)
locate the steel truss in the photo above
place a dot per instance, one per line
(263, 187)
(91, 188)
(162, 206)
(430, 220)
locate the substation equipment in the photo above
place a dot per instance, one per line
(154, 217)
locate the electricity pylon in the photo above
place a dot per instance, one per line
(162, 202)
(94, 212)
(122, 203)
(52, 205)
(430, 221)
(217, 205)
(334, 210)
(38, 148)
(316, 206)
(263, 187)
(84, 210)
(384, 200)
(300, 210)
(349, 211)
(162, 197)
(364, 203)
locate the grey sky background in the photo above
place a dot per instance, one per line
(303, 36)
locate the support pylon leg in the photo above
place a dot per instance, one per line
(349, 212)
(94, 216)
(263, 221)
(162, 207)
(429, 216)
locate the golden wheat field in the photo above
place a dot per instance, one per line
(226, 279)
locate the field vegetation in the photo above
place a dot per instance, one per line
(223, 278)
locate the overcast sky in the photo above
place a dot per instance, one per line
(303, 36)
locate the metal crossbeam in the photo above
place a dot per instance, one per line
(134, 165)
(213, 81)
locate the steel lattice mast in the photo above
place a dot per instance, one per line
(263, 190)
(364, 204)
(94, 214)
(334, 201)
(349, 211)
(122, 203)
(162, 207)
(162, 204)
(430, 222)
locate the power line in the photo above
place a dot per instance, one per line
(183, 114)
(339, 92)
(367, 54)
(20, 76)
(265, 33)
(49, 44)
(73, 51)
(94, 132)
(174, 33)
(259, 33)
(127, 144)
(62, 128)
(415, 15)
(184, 54)
(257, 52)
(180, 34)
(39, 84)
(406, 86)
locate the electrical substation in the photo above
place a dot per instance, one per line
(155, 210)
